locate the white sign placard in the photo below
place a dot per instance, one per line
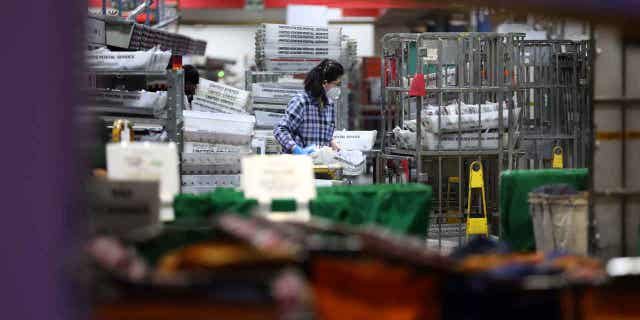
(269, 177)
(432, 54)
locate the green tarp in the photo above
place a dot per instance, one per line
(400, 208)
(515, 185)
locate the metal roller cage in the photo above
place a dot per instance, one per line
(477, 109)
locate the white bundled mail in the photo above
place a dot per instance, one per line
(235, 129)
(288, 64)
(200, 103)
(215, 94)
(152, 60)
(355, 140)
(131, 99)
(486, 120)
(352, 161)
(468, 141)
(450, 109)
(288, 51)
(202, 147)
(269, 107)
(275, 92)
(290, 48)
(299, 35)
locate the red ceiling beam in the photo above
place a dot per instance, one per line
(98, 3)
(212, 4)
(362, 12)
(351, 4)
(344, 4)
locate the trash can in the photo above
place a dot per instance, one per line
(560, 221)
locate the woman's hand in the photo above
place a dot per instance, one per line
(335, 146)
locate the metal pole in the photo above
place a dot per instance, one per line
(623, 161)
(418, 150)
(383, 95)
(419, 103)
(104, 7)
(460, 206)
(147, 20)
(440, 214)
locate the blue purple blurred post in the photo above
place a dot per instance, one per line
(42, 58)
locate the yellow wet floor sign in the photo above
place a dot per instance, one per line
(476, 226)
(558, 161)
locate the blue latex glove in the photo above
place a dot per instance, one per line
(310, 149)
(304, 151)
(298, 150)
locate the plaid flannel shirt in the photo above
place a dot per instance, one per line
(305, 123)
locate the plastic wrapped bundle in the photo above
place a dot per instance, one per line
(266, 119)
(280, 93)
(207, 148)
(235, 129)
(216, 97)
(205, 158)
(130, 99)
(351, 161)
(487, 140)
(298, 35)
(296, 48)
(448, 120)
(152, 60)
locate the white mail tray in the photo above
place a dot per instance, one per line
(266, 119)
(355, 140)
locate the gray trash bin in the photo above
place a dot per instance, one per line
(560, 222)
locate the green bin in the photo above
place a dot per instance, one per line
(515, 186)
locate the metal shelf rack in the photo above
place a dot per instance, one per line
(170, 117)
(125, 34)
(553, 85)
(469, 68)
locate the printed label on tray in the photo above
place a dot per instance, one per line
(278, 177)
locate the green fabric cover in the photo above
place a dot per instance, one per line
(402, 208)
(284, 205)
(190, 208)
(515, 186)
(331, 207)
(412, 60)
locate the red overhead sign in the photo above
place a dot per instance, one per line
(352, 8)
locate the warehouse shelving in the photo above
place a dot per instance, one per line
(125, 34)
(169, 116)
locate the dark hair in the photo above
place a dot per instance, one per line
(191, 74)
(329, 71)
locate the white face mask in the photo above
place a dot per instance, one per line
(334, 94)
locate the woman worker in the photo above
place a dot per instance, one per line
(309, 120)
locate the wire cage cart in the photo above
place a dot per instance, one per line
(463, 126)
(552, 78)
(494, 102)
